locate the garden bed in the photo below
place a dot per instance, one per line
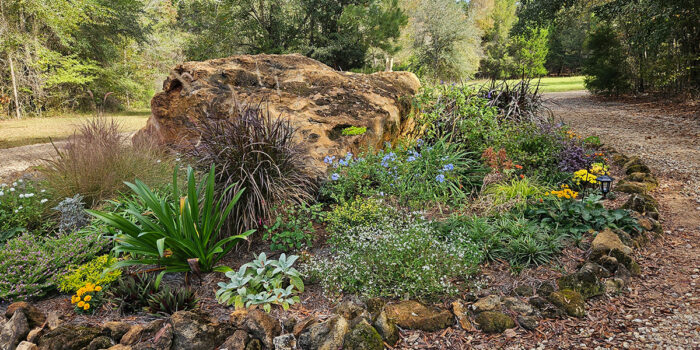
(487, 220)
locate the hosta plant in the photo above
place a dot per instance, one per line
(263, 282)
(180, 234)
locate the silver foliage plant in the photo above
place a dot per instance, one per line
(73, 215)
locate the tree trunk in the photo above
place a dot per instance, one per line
(14, 86)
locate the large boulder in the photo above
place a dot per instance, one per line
(258, 323)
(320, 101)
(35, 317)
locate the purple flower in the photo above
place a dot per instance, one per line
(440, 178)
(335, 176)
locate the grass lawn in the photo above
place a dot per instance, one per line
(27, 131)
(553, 84)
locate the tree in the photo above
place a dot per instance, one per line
(606, 68)
(338, 33)
(497, 61)
(529, 52)
(444, 39)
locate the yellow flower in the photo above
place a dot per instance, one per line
(88, 298)
(86, 307)
(98, 288)
(81, 304)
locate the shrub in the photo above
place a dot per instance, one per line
(255, 151)
(365, 212)
(293, 227)
(97, 160)
(536, 148)
(575, 217)
(21, 207)
(419, 174)
(132, 293)
(457, 114)
(263, 282)
(89, 273)
(401, 258)
(32, 265)
(169, 301)
(73, 215)
(87, 298)
(179, 235)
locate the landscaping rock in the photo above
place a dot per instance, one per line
(319, 101)
(138, 333)
(528, 322)
(120, 347)
(524, 290)
(546, 309)
(101, 342)
(585, 282)
(460, 311)
(69, 337)
(254, 344)
(303, 324)
(193, 331)
(34, 334)
(570, 301)
(614, 285)
(386, 328)
(518, 306)
(288, 324)
(35, 317)
(363, 337)
(54, 319)
(643, 204)
(635, 165)
(237, 341)
(326, 335)
(14, 331)
(25, 345)
(623, 274)
(607, 242)
(285, 342)
(627, 186)
(259, 324)
(115, 330)
(608, 262)
(487, 303)
(352, 308)
(414, 315)
(646, 178)
(546, 288)
(494, 321)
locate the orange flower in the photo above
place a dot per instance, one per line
(522, 176)
(518, 166)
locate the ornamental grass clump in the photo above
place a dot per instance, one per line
(98, 158)
(251, 149)
(182, 232)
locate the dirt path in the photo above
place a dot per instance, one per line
(662, 310)
(17, 159)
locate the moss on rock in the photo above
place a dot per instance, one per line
(363, 337)
(494, 321)
(570, 301)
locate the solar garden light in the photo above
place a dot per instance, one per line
(605, 184)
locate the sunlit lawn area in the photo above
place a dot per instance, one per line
(27, 131)
(553, 84)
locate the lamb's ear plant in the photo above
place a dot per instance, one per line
(174, 232)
